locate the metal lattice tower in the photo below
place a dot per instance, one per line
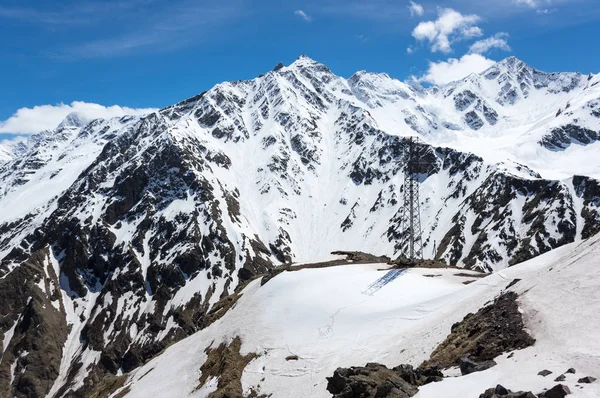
(411, 243)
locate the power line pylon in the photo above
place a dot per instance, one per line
(411, 242)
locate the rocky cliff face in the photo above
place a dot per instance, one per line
(34, 326)
(128, 231)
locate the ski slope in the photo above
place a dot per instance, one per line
(321, 316)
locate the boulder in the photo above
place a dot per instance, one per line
(468, 366)
(544, 372)
(570, 370)
(489, 393)
(587, 379)
(501, 392)
(372, 380)
(560, 378)
(419, 376)
(558, 391)
(376, 380)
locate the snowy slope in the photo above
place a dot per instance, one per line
(6, 151)
(321, 316)
(525, 116)
(157, 218)
(42, 168)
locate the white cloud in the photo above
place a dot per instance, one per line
(499, 40)
(303, 15)
(530, 3)
(544, 11)
(415, 9)
(43, 117)
(410, 50)
(450, 26)
(453, 69)
(543, 7)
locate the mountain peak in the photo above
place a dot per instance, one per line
(304, 61)
(73, 119)
(305, 57)
(513, 63)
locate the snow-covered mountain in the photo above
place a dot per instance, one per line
(128, 232)
(402, 323)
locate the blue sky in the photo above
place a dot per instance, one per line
(152, 53)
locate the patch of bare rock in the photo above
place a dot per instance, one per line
(376, 380)
(475, 341)
(226, 364)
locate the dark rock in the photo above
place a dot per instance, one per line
(490, 114)
(278, 67)
(372, 380)
(29, 297)
(419, 376)
(480, 337)
(561, 138)
(291, 358)
(473, 120)
(226, 363)
(489, 393)
(587, 379)
(544, 372)
(468, 366)
(464, 99)
(589, 190)
(513, 282)
(361, 257)
(560, 378)
(500, 390)
(376, 380)
(558, 391)
(570, 370)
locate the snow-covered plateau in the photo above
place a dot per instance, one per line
(128, 246)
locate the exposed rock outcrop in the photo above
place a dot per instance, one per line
(587, 380)
(376, 380)
(226, 364)
(558, 391)
(493, 330)
(33, 326)
(468, 366)
(562, 137)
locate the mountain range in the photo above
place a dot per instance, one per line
(121, 236)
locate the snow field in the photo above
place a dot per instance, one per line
(322, 316)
